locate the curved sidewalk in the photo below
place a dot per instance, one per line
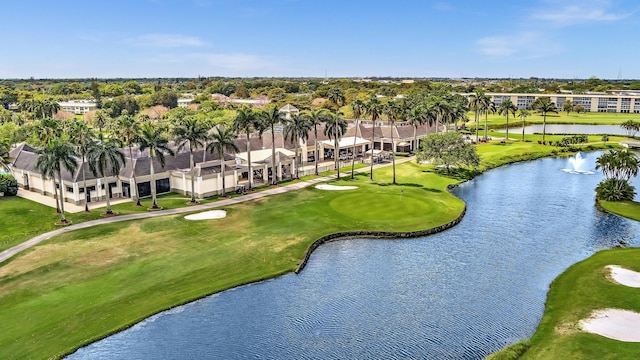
(7, 254)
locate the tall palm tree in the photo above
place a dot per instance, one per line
(127, 128)
(82, 137)
(223, 140)
(336, 100)
(270, 118)
(49, 108)
(335, 128)
(47, 129)
(52, 158)
(373, 109)
(488, 107)
(152, 137)
(415, 118)
(523, 114)
(105, 157)
(193, 133)
(5, 159)
(101, 118)
(475, 103)
(441, 109)
(505, 108)
(245, 121)
(544, 105)
(315, 119)
(619, 164)
(394, 113)
(297, 128)
(358, 108)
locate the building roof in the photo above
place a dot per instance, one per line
(346, 142)
(289, 109)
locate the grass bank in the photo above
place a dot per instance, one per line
(591, 118)
(87, 284)
(572, 297)
(628, 209)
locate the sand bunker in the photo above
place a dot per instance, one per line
(207, 215)
(615, 324)
(334, 187)
(624, 276)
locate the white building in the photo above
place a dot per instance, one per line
(78, 106)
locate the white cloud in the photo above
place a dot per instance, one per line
(522, 45)
(565, 13)
(165, 41)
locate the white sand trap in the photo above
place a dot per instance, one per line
(614, 324)
(207, 215)
(334, 187)
(624, 276)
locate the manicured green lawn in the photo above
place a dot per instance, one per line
(495, 120)
(84, 285)
(572, 297)
(630, 209)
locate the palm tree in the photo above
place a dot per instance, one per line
(619, 164)
(336, 100)
(5, 159)
(49, 108)
(82, 137)
(415, 118)
(393, 110)
(441, 108)
(544, 105)
(270, 118)
(245, 121)
(223, 140)
(105, 157)
(152, 137)
(315, 119)
(358, 108)
(101, 118)
(373, 109)
(297, 128)
(335, 128)
(126, 128)
(523, 115)
(192, 132)
(52, 158)
(475, 103)
(46, 130)
(487, 107)
(506, 107)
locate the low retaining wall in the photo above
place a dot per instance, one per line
(376, 235)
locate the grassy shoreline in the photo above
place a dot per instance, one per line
(173, 261)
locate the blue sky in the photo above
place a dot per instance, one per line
(339, 38)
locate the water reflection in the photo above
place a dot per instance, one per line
(460, 294)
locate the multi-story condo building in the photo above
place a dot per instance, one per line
(620, 102)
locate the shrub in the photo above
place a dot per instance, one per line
(8, 185)
(615, 190)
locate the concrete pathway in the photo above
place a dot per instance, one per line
(6, 254)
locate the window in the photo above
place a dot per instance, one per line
(69, 189)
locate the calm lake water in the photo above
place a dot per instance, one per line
(568, 129)
(460, 294)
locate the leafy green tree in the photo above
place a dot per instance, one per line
(618, 167)
(567, 106)
(51, 159)
(448, 149)
(8, 185)
(223, 140)
(95, 92)
(374, 110)
(245, 121)
(544, 105)
(120, 103)
(104, 158)
(505, 108)
(166, 98)
(523, 114)
(5, 159)
(152, 137)
(82, 137)
(193, 133)
(296, 128)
